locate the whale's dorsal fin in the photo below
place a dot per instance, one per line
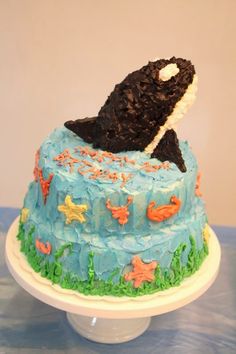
(168, 149)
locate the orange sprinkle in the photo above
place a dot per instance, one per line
(198, 193)
(166, 165)
(87, 163)
(153, 168)
(61, 157)
(121, 213)
(83, 172)
(125, 179)
(93, 153)
(65, 159)
(141, 271)
(97, 173)
(89, 152)
(107, 154)
(113, 176)
(126, 159)
(83, 150)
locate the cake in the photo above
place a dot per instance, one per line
(115, 206)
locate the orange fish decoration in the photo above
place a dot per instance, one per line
(45, 184)
(43, 248)
(163, 212)
(120, 212)
(198, 193)
(141, 271)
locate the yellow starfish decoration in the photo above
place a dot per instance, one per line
(24, 215)
(73, 211)
(206, 233)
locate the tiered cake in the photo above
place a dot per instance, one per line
(115, 206)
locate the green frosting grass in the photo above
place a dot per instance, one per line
(53, 270)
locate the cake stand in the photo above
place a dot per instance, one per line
(108, 319)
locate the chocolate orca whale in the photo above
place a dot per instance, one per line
(141, 112)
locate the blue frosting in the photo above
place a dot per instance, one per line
(113, 244)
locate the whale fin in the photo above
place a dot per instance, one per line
(85, 128)
(168, 149)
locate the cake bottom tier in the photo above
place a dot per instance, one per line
(131, 266)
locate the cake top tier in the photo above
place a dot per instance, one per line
(70, 173)
(74, 161)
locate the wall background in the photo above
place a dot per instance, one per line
(59, 59)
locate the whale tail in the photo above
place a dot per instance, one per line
(168, 149)
(85, 128)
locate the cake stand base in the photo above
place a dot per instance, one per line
(103, 330)
(109, 319)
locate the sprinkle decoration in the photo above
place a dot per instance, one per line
(45, 184)
(96, 171)
(43, 248)
(153, 168)
(73, 211)
(65, 159)
(197, 187)
(36, 167)
(120, 212)
(141, 272)
(163, 212)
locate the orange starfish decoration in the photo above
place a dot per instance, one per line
(163, 212)
(45, 184)
(36, 167)
(121, 213)
(43, 248)
(141, 271)
(197, 187)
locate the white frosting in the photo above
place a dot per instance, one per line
(180, 109)
(168, 72)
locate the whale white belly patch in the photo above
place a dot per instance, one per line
(179, 110)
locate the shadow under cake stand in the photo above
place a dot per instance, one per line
(108, 319)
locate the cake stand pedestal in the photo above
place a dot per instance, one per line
(108, 319)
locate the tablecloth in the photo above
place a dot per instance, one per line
(208, 325)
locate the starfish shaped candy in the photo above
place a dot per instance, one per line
(73, 211)
(141, 271)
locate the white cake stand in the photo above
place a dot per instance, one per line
(108, 319)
